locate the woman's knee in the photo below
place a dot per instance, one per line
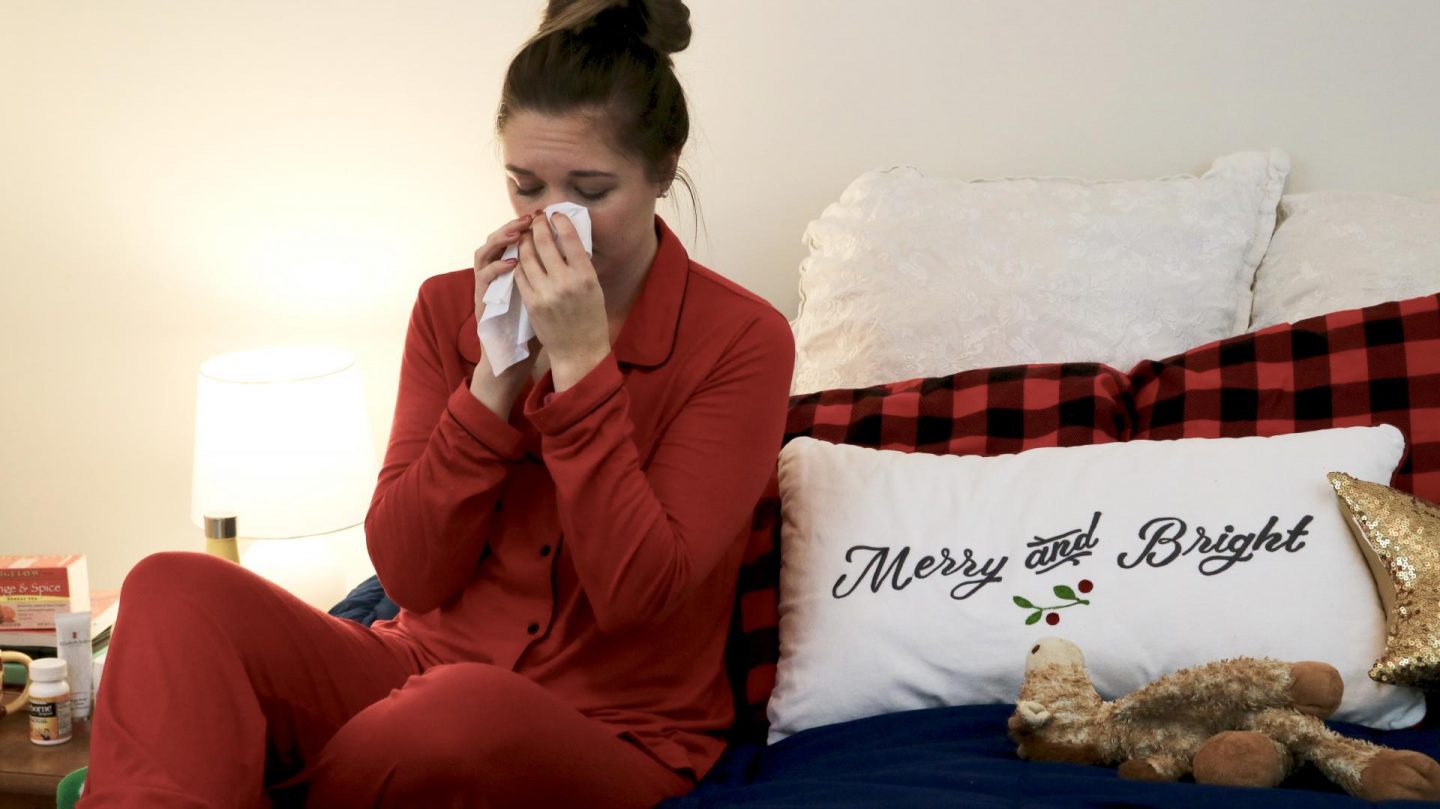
(447, 721)
(470, 734)
(166, 569)
(471, 703)
(174, 585)
(478, 699)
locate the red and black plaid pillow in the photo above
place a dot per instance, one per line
(992, 411)
(1378, 365)
(1361, 367)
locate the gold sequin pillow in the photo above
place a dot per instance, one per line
(1400, 537)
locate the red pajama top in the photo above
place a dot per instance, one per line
(591, 543)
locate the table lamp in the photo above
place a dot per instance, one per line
(282, 443)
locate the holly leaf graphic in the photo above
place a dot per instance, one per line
(1063, 591)
(1033, 619)
(1024, 602)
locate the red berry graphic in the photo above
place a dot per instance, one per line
(1053, 618)
(1086, 586)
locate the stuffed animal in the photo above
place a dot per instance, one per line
(1241, 722)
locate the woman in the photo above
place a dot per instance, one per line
(563, 538)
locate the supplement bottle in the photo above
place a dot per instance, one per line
(49, 702)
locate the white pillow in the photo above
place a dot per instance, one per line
(912, 276)
(1339, 250)
(848, 650)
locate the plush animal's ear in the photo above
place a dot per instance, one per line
(1033, 714)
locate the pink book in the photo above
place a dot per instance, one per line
(34, 588)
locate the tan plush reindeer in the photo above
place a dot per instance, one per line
(1240, 722)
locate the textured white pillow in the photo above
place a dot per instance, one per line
(912, 276)
(1339, 250)
(859, 637)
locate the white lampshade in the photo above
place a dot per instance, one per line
(282, 439)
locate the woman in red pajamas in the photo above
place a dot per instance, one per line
(563, 538)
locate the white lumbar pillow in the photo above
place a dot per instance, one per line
(914, 276)
(1339, 250)
(913, 580)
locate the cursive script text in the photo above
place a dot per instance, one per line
(1167, 539)
(875, 558)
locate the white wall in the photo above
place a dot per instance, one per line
(180, 178)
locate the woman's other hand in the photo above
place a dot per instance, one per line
(499, 392)
(562, 293)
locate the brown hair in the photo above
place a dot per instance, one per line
(613, 57)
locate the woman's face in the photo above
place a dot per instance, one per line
(551, 159)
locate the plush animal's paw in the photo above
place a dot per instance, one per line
(1033, 714)
(1400, 775)
(1239, 758)
(1144, 769)
(1316, 688)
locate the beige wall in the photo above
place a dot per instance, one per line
(182, 178)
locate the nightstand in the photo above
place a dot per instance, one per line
(29, 772)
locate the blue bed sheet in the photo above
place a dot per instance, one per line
(366, 604)
(960, 757)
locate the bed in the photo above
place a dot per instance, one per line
(1329, 320)
(959, 755)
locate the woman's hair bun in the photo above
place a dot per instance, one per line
(663, 25)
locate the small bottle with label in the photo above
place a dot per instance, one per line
(49, 702)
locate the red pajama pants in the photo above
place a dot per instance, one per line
(223, 690)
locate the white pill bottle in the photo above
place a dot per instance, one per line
(49, 702)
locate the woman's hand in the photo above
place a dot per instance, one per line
(564, 298)
(499, 393)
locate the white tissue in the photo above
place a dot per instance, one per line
(504, 329)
